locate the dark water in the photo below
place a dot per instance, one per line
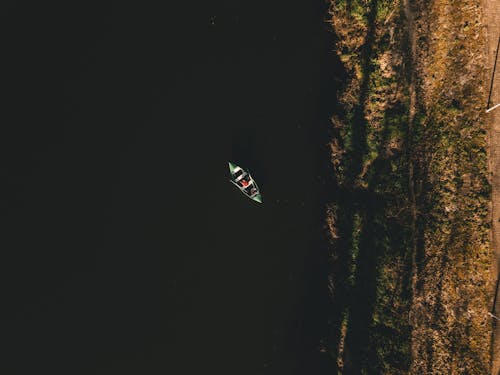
(126, 250)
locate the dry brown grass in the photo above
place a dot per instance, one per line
(448, 320)
(451, 332)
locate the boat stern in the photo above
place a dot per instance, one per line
(257, 198)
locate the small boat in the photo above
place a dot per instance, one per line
(244, 181)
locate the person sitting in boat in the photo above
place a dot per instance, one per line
(244, 182)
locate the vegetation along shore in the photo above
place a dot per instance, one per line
(411, 260)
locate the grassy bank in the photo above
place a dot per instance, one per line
(383, 321)
(371, 257)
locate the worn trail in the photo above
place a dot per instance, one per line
(492, 14)
(413, 106)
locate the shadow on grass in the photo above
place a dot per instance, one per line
(356, 278)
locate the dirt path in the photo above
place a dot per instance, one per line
(413, 105)
(492, 8)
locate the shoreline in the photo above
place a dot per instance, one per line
(412, 132)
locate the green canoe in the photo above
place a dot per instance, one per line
(244, 181)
